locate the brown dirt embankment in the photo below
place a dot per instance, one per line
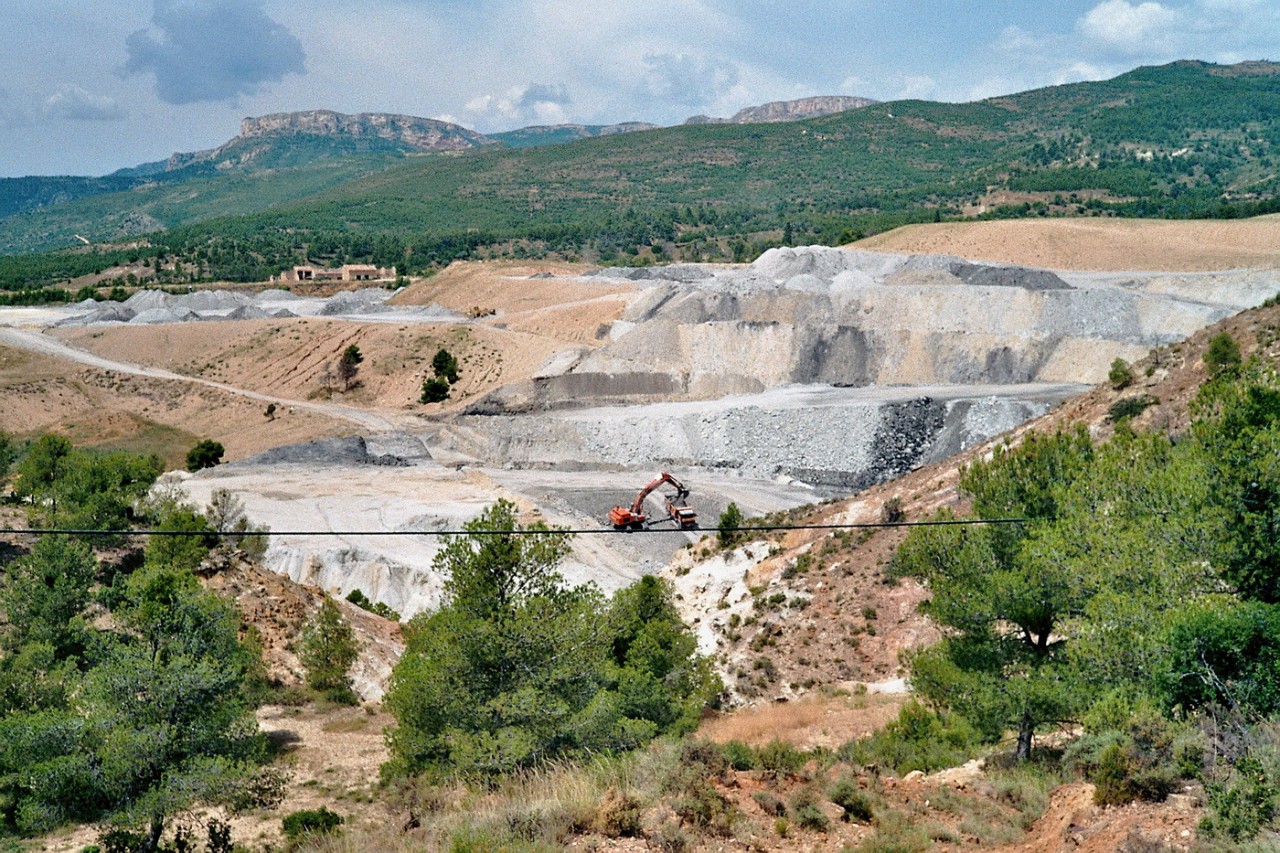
(1096, 244)
(97, 408)
(542, 298)
(293, 359)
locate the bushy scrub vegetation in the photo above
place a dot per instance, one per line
(445, 373)
(359, 599)
(1137, 588)
(125, 689)
(919, 739)
(517, 668)
(205, 453)
(67, 487)
(727, 531)
(327, 649)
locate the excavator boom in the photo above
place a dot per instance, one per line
(633, 517)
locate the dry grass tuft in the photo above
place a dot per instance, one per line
(815, 720)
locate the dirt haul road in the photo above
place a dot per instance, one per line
(34, 341)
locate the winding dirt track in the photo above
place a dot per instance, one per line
(36, 342)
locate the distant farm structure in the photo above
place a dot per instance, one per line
(347, 272)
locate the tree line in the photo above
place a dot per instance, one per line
(1141, 591)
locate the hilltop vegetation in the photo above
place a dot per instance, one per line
(1183, 140)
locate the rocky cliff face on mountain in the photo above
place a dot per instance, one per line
(797, 110)
(409, 133)
(424, 134)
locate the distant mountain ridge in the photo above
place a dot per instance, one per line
(556, 134)
(379, 131)
(1178, 140)
(796, 110)
(294, 139)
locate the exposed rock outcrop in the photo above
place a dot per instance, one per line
(423, 134)
(411, 132)
(797, 110)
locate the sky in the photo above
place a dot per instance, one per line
(90, 87)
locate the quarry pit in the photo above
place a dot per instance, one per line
(809, 374)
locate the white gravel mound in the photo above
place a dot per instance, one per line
(153, 316)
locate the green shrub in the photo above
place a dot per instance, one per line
(1240, 807)
(620, 816)
(1222, 355)
(896, 833)
(445, 366)
(918, 740)
(434, 390)
(205, 454)
(310, 822)
(740, 755)
(1131, 407)
(670, 838)
(1224, 654)
(359, 599)
(1121, 375)
(727, 530)
(891, 512)
(770, 804)
(703, 807)
(778, 757)
(811, 817)
(806, 811)
(327, 650)
(1112, 776)
(847, 795)
(1026, 788)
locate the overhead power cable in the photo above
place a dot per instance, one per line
(582, 531)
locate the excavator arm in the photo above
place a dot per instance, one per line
(634, 518)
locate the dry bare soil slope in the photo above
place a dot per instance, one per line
(520, 327)
(1100, 244)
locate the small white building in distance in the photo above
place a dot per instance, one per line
(347, 272)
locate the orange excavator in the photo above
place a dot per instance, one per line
(633, 517)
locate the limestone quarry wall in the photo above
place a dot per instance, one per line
(838, 438)
(832, 316)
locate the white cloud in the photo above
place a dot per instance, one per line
(536, 103)
(1147, 27)
(852, 85)
(1075, 72)
(75, 104)
(688, 80)
(917, 86)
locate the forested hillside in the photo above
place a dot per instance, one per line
(1184, 140)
